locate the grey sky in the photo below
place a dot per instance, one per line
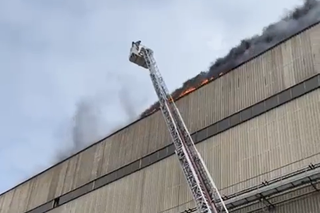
(57, 53)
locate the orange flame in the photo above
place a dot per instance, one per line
(191, 89)
(187, 91)
(204, 82)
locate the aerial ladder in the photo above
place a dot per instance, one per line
(204, 191)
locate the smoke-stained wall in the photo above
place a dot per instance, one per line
(276, 70)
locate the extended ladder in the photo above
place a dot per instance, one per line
(201, 185)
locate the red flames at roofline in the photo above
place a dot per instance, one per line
(179, 94)
(297, 20)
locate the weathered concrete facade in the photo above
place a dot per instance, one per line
(240, 155)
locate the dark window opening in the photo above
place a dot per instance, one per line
(56, 202)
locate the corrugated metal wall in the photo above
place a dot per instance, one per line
(285, 65)
(134, 193)
(304, 199)
(273, 144)
(245, 155)
(308, 204)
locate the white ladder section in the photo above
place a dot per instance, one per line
(201, 185)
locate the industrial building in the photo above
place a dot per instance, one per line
(257, 128)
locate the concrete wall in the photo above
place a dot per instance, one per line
(273, 144)
(285, 65)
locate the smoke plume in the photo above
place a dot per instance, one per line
(127, 104)
(84, 128)
(89, 123)
(92, 121)
(295, 21)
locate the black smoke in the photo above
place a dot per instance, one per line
(295, 21)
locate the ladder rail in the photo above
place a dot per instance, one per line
(204, 191)
(188, 155)
(210, 188)
(214, 193)
(190, 174)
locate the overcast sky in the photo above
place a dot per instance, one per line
(57, 53)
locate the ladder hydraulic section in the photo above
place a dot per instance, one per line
(201, 185)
